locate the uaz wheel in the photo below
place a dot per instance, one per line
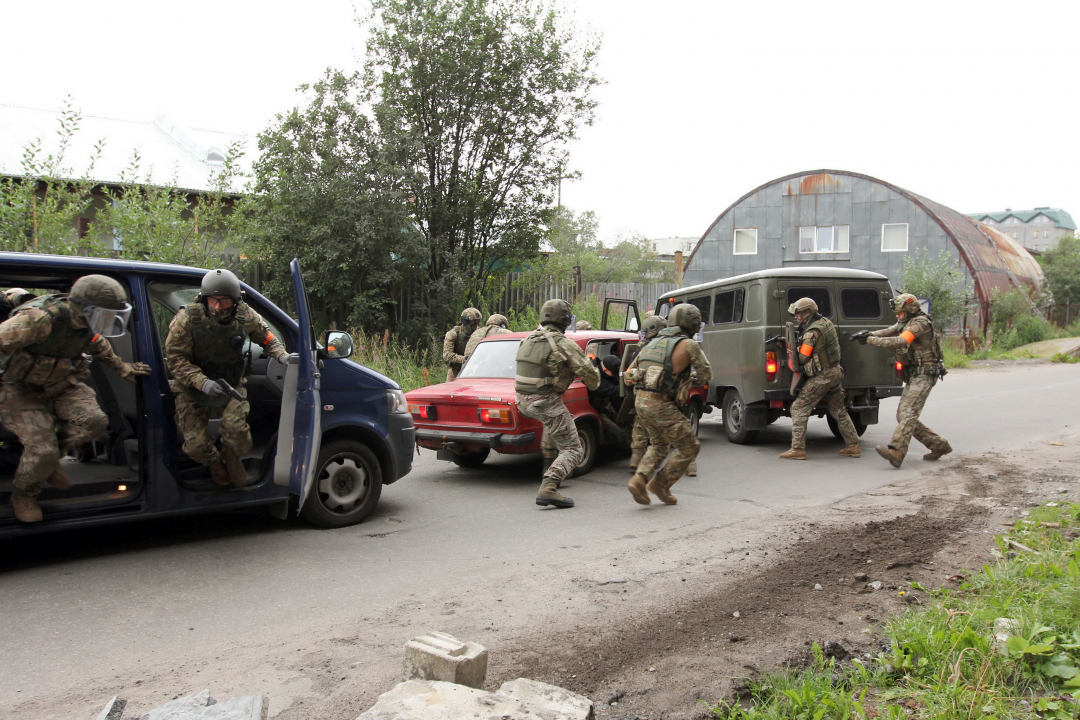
(347, 485)
(834, 426)
(735, 419)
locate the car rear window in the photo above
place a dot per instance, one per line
(819, 295)
(494, 359)
(704, 304)
(729, 306)
(860, 303)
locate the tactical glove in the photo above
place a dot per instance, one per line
(289, 358)
(133, 371)
(860, 337)
(212, 389)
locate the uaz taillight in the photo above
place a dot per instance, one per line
(424, 412)
(770, 366)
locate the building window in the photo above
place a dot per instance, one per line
(831, 239)
(894, 237)
(1046, 233)
(1015, 236)
(746, 241)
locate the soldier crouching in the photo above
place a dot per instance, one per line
(42, 348)
(662, 375)
(205, 344)
(547, 362)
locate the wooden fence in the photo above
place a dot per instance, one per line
(647, 295)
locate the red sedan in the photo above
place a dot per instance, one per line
(475, 413)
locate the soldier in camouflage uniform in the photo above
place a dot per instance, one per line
(918, 348)
(583, 325)
(11, 299)
(205, 343)
(457, 340)
(639, 437)
(547, 362)
(42, 348)
(820, 357)
(495, 325)
(662, 375)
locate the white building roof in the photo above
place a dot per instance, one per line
(168, 152)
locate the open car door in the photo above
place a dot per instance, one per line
(300, 426)
(620, 315)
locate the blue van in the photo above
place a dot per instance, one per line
(327, 432)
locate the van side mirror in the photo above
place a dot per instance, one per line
(336, 344)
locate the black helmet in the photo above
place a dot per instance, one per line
(221, 282)
(556, 312)
(686, 317)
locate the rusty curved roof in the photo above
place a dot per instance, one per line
(994, 262)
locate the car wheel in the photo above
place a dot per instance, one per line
(834, 426)
(735, 419)
(587, 437)
(347, 485)
(695, 416)
(472, 459)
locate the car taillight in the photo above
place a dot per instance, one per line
(770, 366)
(899, 369)
(425, 412)
(493, 415)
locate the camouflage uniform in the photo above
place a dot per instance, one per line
(186, 373)
(42, 348)
(454, 345)
(494, 326)
(662, 416)
(918, 348)
(560, 444)
(825, 377)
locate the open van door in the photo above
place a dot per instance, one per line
(300, 426)
(620, 315)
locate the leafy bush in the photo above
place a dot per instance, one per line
(940, 280)
(1015, 321)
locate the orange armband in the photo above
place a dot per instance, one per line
(908, 336)
(806, 350)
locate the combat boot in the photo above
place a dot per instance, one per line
(236, 470)
(635, 458)
(691, 471)
(661, 490)
(895, 457)
(218, 473)
(793, 454)
(636, 486)
(26, 508)
(935, 454)
(59, 479)
(852, 450)
(549, 495)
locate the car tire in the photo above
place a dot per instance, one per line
(734, 417)
(471, 459)
(347, 485)
(834, 426)
(695, 416)
(587, 437)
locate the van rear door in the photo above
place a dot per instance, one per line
(300, 426)
(863, 305)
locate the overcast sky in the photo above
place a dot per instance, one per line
(972, 104)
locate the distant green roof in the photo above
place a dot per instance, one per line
(1061, 218)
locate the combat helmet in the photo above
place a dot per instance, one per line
(652, 325)
(906, 303)
(804, 304)
(470, 316)
(556, 312)
(17, 296)
(686, 317)
(103, 302)
(221, 282)
(499, 320)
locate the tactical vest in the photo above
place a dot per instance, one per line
(923, 355)
(534, 377)
(56, 357)
(654, 362)
(217, 349)
(462, 340)
(827, 350)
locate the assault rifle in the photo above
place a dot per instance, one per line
(791, 340)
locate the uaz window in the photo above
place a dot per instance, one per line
(819, 295)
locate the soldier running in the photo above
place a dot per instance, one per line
(547, 362)
(495, 325)
(206, 343)
(457, 340)
(41, 355)
(918, 348)
(662, 375)
(819, 353)
(639, 437)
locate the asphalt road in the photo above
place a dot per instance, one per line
(95, 603)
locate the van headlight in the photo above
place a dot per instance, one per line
(396, 403)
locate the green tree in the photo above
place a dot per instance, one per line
(1061, 265)
(479, 98)
(1015, 320)
(940, 280)
(328, 194)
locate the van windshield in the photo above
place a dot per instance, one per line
(494, 359)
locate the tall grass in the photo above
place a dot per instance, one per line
(411, 365)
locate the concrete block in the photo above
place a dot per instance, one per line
(438, 656)
(519, 699)
(114, 709)
(201, 707)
